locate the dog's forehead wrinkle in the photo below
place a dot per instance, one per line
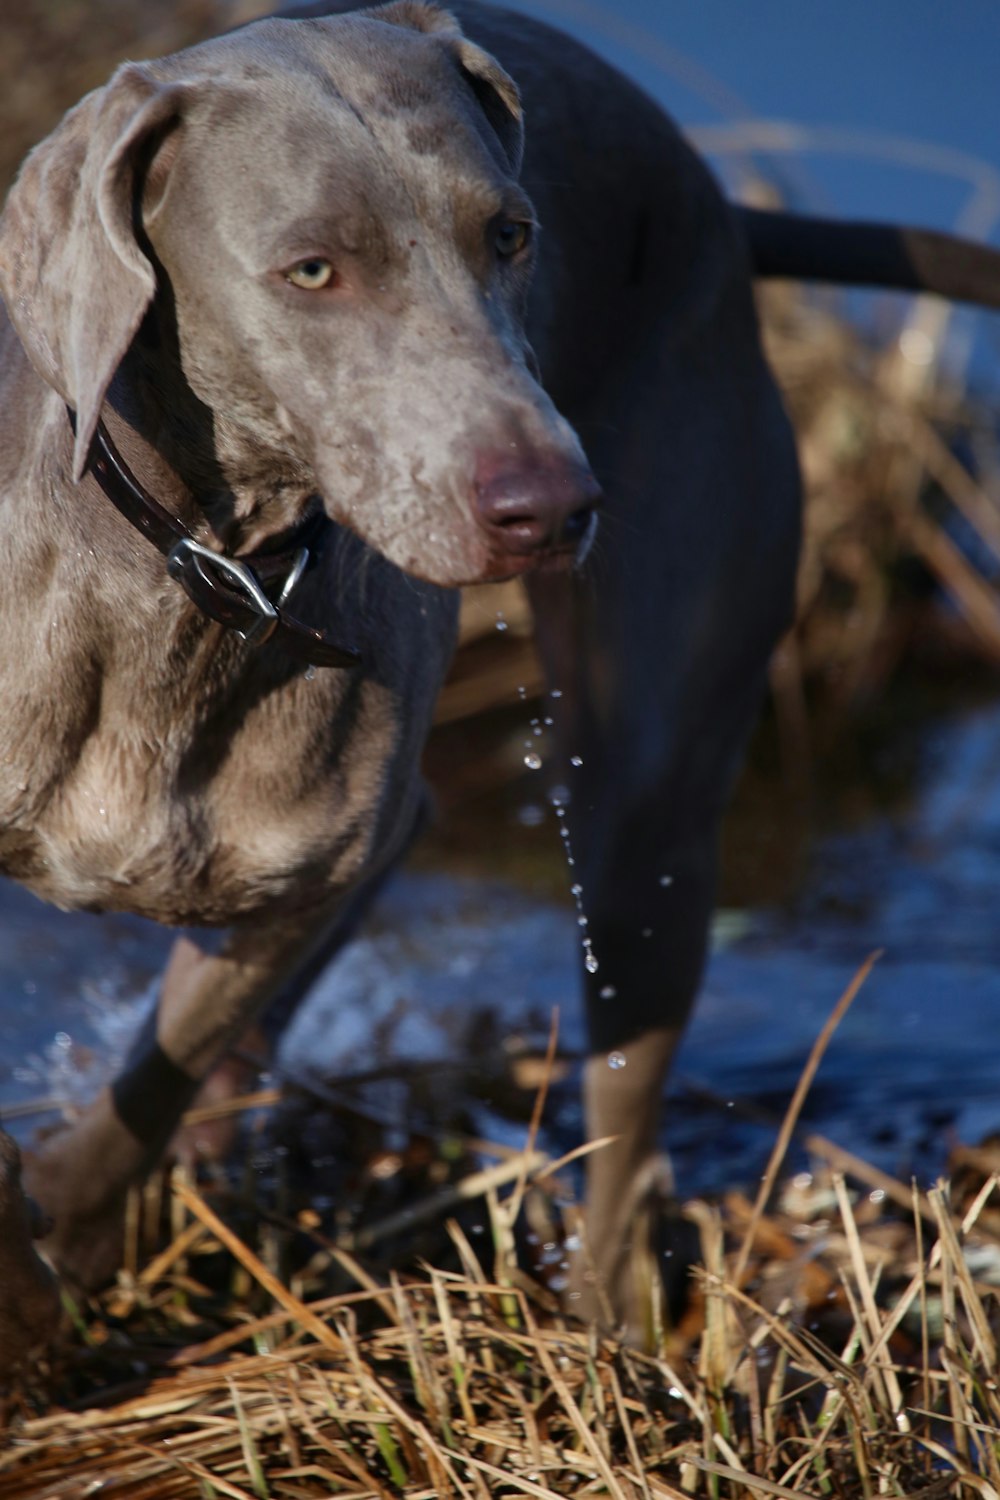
(418, 106)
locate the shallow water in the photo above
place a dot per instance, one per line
(451, 972)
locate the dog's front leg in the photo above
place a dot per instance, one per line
(651, 942)
(651, 719)
(81, 1174)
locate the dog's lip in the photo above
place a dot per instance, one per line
(504, 566)
(552, 559)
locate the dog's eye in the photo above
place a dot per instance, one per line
(511, 237)
(311, 275)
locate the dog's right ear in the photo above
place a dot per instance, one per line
(72, 273)
(495, 90)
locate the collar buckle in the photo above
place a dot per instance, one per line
(226, 589)
(217, 571)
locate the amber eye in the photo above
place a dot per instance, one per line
(511, 237)
(311, 275)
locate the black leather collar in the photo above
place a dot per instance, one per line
(246, 594)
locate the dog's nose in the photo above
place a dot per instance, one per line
(536, 507)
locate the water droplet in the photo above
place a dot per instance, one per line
(537, 729)
(609, 992)
(616, 1061)
(530, 815)
(533, 761)
(590, 963)
(576, 890)
(559, 796)
(548, 722)
(666, 880)
(576, 760)
(556, 693)
(501, 622)
(522, 691)
(310, 672)
(572, 1243)
(582, 921)
(63, 1041)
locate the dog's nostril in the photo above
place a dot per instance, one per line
(574, 528)
(536, 507)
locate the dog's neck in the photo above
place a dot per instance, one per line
(224, 482)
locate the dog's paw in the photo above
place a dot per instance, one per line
(82, 1200)
(636, 1286)
(29, 1293)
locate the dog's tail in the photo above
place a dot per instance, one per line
(865, 254)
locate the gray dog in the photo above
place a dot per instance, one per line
(267, 397)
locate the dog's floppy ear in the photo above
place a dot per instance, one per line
(418, 15)
(495, 90)
(498, 97)
(72, 273)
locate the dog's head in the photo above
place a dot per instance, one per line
(331, 210)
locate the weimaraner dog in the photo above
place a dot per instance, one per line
(287, 358)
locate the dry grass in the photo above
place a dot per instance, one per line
(842, 1343)
(892, 508)
(856, 1356)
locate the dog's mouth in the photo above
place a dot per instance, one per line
(565, 556)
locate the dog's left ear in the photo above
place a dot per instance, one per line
(495, 90)
(72, 271)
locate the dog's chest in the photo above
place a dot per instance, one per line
(279, 803)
